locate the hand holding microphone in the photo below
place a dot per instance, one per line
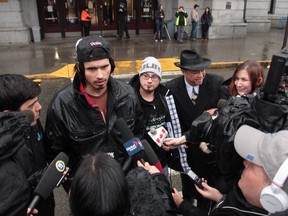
(158, 135)
(135, 148)
(52, 177)
(150, 168)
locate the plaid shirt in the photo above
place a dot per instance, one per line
(174, 130)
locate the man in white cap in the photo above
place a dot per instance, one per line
(263, 185)
(81, 117)
(158, 107)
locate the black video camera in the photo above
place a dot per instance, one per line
(267, 111)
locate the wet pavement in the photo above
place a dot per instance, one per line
(40, 60)
(51, 54)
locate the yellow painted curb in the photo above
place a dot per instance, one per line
(133, 66)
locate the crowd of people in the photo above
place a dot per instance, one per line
(248, 176)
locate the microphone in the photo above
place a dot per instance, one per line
(150, 155)
(52, 177)
(158, 135)
(132, 145)
(135, 148)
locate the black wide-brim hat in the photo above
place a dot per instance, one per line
(190, 60)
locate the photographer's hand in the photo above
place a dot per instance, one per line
(209, 192)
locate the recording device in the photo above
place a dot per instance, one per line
(136, 149)
(195, 178)
(158, 135)
(275, 89)
(52, 177)
(264, 110)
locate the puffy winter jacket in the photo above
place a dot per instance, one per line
(22, 162)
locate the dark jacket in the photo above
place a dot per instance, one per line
(234, 204)
(122, 14)
(160, 93)
(76, 128)
(206, 19)
(172, 124)
(158, 17)
(209, 94)
(22, 163)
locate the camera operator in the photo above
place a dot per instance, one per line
(240, 89)
(247, 78)
(263, 185)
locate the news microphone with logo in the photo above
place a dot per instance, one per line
(158, 135)
(136, 149)
(132, 145)
(52, 177)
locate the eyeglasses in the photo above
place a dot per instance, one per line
(146, 76)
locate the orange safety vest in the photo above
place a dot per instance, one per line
(85, 16)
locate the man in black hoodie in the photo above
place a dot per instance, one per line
(158, 110)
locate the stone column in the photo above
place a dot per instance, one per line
(12, 28)
(228, 18)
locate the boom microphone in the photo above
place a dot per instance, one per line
(52, 177)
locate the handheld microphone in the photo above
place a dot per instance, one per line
(158, 135)
(150, 155)
(195, 178)
(52, 177)
(132, 145)
(136, 149)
